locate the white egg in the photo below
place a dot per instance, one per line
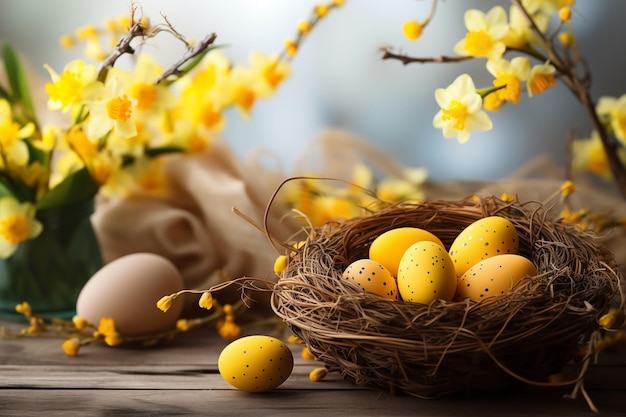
(127, 290)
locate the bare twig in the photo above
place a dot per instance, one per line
(196, 50)
(405, 59)
(122, 47)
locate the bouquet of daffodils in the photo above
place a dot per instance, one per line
(119, 120)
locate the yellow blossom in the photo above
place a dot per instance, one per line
(589, 155)
(608, 319)
(519, 33)
(306, 354)
(110, 110)
(24, 308)
(509, 74)
(229, 330)
(17, 224)
(412, 30)
(304, 26)
(318, 374)
(291, 48)
(321, 10)
(79, 322)
(270, 70)
(66, 89)
(165, 303)
(182, 325)
(106, 326)
(113, 339)
(338, 3)
(541, 78)
(71, 346)
(565, 14)
(566, 39)
(67, 42)
(12, 147)
(206, 300)
(486, 32)
(567, 188)
(461, 110)
(280, 264)
(615, 110)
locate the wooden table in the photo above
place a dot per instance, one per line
(181, 378)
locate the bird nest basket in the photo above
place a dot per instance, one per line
(450, 347)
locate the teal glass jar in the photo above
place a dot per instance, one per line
(50, 271)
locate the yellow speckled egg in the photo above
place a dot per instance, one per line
(255, 363)
(372, 277)
(426, 273)
(487, 237)
(493, 276)
(389, 246)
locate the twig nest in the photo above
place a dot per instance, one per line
(526, 334)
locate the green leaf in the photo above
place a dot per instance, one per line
(9, 186)
(76, 187)
(18, 81)
(4, 94)
(162, 150)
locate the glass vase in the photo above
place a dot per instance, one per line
(49, 271)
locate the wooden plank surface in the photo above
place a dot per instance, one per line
(181, 378)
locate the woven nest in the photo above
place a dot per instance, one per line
(433, 350)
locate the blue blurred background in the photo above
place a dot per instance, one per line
(339, 79)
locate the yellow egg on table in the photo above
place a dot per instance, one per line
(389, 246)
(127, 290)
(255, 363)
(426, 273)
(494, 276)
(487, 237)
(372, 277)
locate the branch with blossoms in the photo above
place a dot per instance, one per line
(526, 31)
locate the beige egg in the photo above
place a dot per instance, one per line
(255, 363)
(389, 246)
(127, 290)
(486, 237)
(426, 273)
(494, 276)
(372, 277)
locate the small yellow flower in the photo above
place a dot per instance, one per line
(321, 10)
(461, 110)
(412, 30)
(67, 41)
(113, 339)
(66, 89)
(541, 78)
(304, 26)
(280, 264)
(567, 188)
(71, 346)
(106, 326)
(509, 74)
(338, 3)
(486, 34)
(182, 325)
(507, 197)
(608, 319)
(318, 374)
(17, 224)
(565, 14)
(227, 309)
(291, 48)
(294, 340)
(24, 308)
(165, 303)
(206, 300)
(566, 39)
(306, 354)
(79, 322)
(229, 331)
(615, 110)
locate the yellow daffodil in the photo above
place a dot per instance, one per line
(66, 89)
(544, 6)
(13, 149)
(615, 110)
(486, 32)
(509, 74)
(270, 70)
(589, 156)
(110, 109)
(519, 33)
(461, 110)
(541, 78)
(17, 224)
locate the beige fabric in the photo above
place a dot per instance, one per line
(194, 225)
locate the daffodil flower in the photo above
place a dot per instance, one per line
(11, 134)
(461, 110)
(486, 32)
(509, 75)
(615, 110)
(66, 89)
(589, 156)
(17, 224)
(541, 78)
(270, 70)
(110, 108)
